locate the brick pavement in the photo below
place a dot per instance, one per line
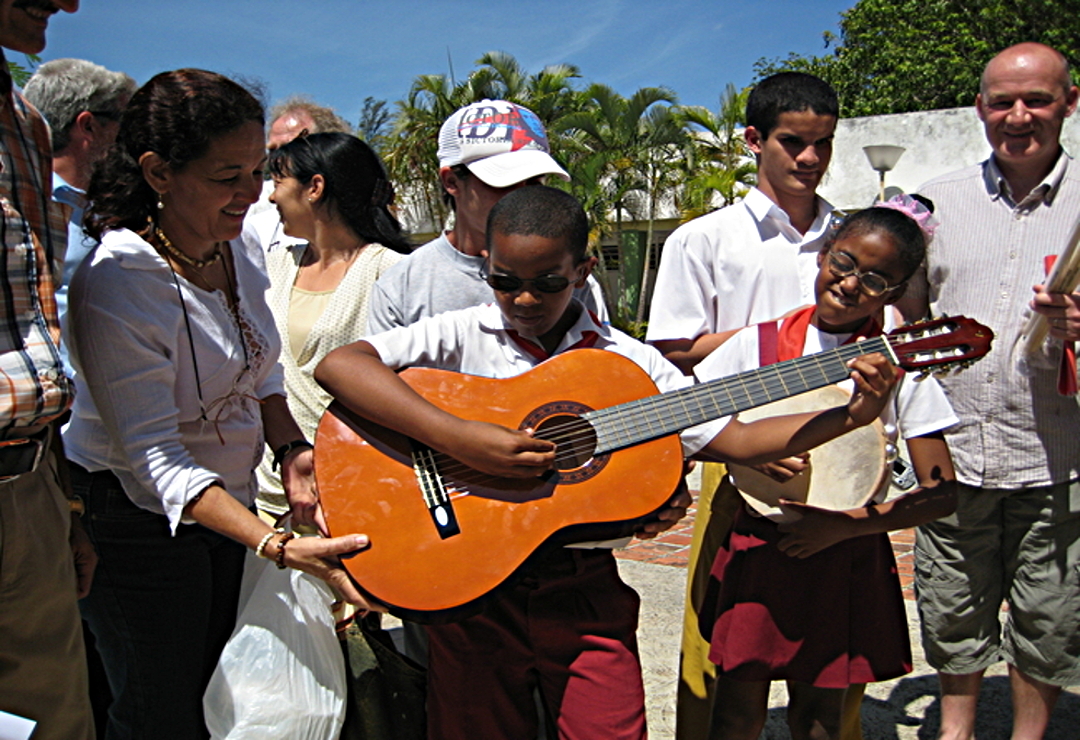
(673, 548)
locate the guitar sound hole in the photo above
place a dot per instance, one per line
(574, 436)
(575, 459)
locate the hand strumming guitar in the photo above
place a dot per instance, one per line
(499, 451)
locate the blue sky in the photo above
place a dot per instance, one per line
(340, 51)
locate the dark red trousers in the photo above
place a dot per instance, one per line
(568, 628)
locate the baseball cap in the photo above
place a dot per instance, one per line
(501, 143)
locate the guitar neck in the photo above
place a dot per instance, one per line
(639, 421)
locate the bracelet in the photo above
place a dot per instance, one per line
(260, 551)
(280, 558)
(282, 452)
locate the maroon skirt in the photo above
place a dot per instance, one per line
(829, 620)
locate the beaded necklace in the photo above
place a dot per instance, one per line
(178, 255)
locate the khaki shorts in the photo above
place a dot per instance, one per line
(1020, 546)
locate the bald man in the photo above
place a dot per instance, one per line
(1015, 535)
(293, 115)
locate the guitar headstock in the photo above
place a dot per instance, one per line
(939, 344)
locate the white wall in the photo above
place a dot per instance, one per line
(937, 142)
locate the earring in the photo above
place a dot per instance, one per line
(160, 203)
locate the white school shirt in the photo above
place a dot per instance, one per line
(740, 265)
(137, 409)
(916, 408)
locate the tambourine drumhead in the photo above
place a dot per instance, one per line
(844, 473)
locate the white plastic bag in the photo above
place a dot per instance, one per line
(282, 673)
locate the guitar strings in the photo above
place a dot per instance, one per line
(639, 420)
(670, 411)
(663, 410)
(567, 436)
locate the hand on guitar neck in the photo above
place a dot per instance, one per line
(767, 440)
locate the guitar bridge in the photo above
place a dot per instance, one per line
(436, 497)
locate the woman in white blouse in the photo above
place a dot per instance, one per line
(333, 197)
(179, 390)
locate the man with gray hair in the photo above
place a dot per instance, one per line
(82, 103)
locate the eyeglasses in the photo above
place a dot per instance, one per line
(108, 115)
(511, 284)
(842, 265)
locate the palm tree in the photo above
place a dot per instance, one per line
(410, 152)
(718, 161)
(618, 147)
(664, 138)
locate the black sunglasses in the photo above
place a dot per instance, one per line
(511, 284)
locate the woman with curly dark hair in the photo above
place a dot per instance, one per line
(179, 392)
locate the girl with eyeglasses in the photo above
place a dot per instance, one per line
(804, 594)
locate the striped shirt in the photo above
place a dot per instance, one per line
(33, 232)
(1015, 429)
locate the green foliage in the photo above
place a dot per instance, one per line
(20, 74)
(374, 123)
(718, 164)
(895, 56)
(628, 148)
(627, 156)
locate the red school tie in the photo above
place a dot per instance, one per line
(588, 339)
(1066, 380)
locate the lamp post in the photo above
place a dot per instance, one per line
(883, 157)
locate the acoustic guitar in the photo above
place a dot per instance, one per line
(443, 536)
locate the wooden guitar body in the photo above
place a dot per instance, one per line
(368, 484)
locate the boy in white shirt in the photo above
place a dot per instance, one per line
(568, 625)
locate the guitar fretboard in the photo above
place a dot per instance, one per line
(657, 416)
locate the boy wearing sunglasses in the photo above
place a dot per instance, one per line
(568, 626)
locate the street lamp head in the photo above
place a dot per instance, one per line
(883, 157)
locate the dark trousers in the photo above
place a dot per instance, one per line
(568, 628)
(161, 610)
